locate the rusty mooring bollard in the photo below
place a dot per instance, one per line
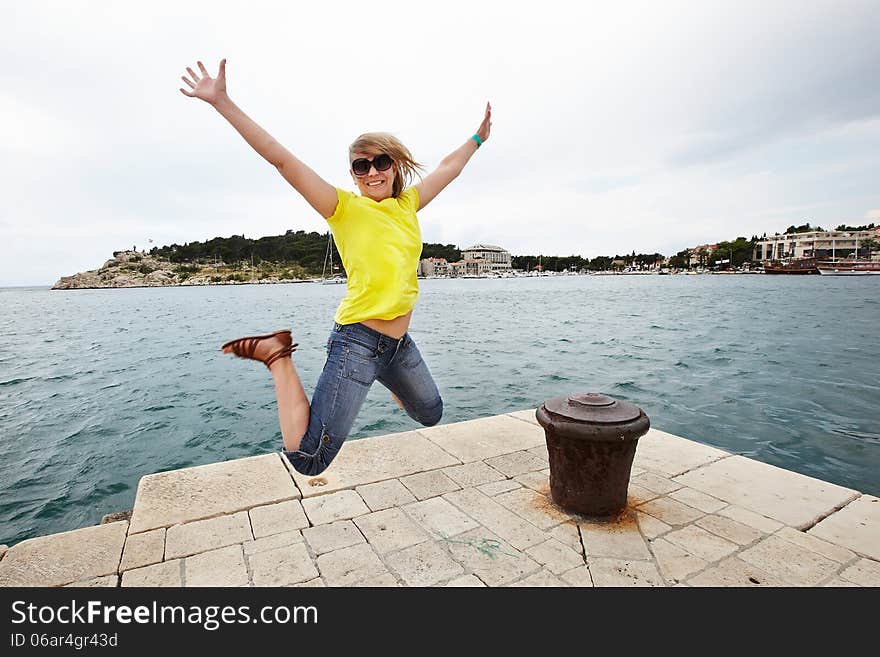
(591, 442)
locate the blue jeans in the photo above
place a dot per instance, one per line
(356, 357)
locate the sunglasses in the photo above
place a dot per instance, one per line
(361, 166)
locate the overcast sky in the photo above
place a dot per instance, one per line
(616, 126)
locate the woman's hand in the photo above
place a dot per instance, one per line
(486, 125)
(207, 88)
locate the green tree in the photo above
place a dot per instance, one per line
(681, 260)
(448, 251)
(738, 251)
(870, 245)
(854, 228)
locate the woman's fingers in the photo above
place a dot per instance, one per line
(193, 74)
(187, 80)
(186, 93)
(222, 73)
(203, 70)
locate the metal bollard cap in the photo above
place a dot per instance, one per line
(592, 408)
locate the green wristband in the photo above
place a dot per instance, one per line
(477, 139)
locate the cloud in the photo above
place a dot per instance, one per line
(615, 127)
(872, 214)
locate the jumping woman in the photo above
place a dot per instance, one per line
(378, 237)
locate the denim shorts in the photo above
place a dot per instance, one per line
(356, 357)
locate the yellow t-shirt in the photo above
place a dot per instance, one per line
(380, 244)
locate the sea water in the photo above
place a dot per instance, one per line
(101, 387)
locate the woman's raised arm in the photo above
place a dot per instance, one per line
(452, 165)
(319, 193)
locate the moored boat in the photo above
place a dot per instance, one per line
(849, 268)
(798, 266)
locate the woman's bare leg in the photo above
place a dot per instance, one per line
(293, 405)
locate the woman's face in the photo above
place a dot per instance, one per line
(374, 184)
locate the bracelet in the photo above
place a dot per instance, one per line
(477, 139)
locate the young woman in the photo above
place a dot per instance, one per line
(378, 237)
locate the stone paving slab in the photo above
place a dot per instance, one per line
(796, 565)
(473, 474)
(272, 542)
(540, 579)
(856, 526)
(277, 518)
(621, 539)
(165, 574)
(440, 517)
(424, 564)
(178, 496)
(517, 463)
(650, 526)
(143, 549)
(675, 563)
(670, 455)
(375, 459)
(336, 535)
(494, 488)
(203, 535)
(735, 572)
(864, 572)
(385, 494)
(283, 566)
(490, 558)
(58, 559)
(789, 497)
(670, 511)
(108, 581)
(527, 415)
(476, 440)
(390, 530)
(578, 577)
(466, 581)
(555, 557)
(811, 542)
(348, 566)
(343, 505)
(733, 531)
(621, 572)
(223, 567)
(518, 532)
(429, 484)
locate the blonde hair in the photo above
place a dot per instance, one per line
(405, 167)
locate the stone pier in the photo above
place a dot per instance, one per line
(467, 504)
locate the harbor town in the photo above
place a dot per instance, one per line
(293, 258)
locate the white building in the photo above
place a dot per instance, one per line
(433, 267)
(494, 256)
(815, 244)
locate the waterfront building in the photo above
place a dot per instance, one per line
(699, 255)
(433, 267)
(494, 256)
(470, 267)
(822, 244)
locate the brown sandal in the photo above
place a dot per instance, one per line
(245, 347)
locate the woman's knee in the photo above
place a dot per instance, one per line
(431, 416)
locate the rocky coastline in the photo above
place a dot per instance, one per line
(134, 269)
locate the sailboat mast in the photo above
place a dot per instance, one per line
(327, 253)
